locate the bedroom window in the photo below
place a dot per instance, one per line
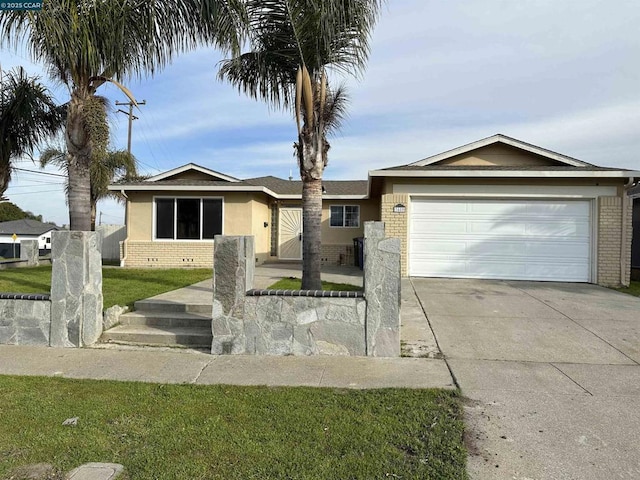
(345, 216)
(188, 218)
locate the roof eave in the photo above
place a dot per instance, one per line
(505, 174)
(225, 188)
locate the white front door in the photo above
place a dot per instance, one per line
(502, 239)
(290, 243)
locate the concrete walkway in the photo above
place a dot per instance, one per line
(265, 275)
(551, 375)
(171, 366)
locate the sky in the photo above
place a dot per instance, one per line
(562, 75)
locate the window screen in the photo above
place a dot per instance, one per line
(164, 217)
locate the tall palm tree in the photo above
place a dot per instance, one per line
(86, 43)
(106, 167)
(292, 45)
(28, 116)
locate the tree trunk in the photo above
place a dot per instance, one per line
(79, 158)
(311, 234)
(311, 157)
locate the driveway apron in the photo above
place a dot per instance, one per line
(550, 373)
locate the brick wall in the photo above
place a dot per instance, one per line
(396, 224)
(169, 254)
(337, 254)
(609, 237)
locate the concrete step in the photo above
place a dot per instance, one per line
(166, 319)
(151, 305)
(159, 336)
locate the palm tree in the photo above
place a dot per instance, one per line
(86, 43)
(28, 116)
(106, 167)
(292, 44)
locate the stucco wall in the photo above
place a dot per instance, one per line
(498, 155)
(243, 213)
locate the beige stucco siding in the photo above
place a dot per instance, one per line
(498, 155)
(337, 242)
(241, 214)
(369, 210)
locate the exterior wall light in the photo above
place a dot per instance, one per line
(399, 208)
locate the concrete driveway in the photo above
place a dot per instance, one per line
(550, 372)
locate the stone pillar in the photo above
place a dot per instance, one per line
(30, 251)
(233, 270)
(76, 289)
(382, 291)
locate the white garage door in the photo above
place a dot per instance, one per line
(517, 240)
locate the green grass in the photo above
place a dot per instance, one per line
(223, 432)
(120, 286)
(292, 283)
(632, 289)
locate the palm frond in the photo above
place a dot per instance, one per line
(28, 116)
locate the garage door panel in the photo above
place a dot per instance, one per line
(532, 240)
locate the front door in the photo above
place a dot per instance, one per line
(290, 233)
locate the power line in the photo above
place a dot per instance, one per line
(33, 193)
(32, 186)
(40, 173)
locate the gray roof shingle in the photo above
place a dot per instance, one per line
(25, 227)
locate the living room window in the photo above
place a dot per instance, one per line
(345, 216)
(188, 218)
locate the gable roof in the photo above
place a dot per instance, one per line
(194, 167)
(499, 138)
(25, 227)
(562, 166)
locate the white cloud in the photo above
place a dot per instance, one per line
(561, 75)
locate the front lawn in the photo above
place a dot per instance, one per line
(632, 289)
(120, 286)
(224, 432)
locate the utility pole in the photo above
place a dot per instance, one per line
(132, 117)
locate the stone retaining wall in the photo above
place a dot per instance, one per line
(25, 319)
(299, 322)
(72, 315)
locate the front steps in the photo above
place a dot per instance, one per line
(163, 324)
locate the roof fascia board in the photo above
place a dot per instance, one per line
(227, 188)
(192, 166)
(502, 139)
(504, 173)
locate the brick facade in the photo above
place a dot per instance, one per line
(168, 254)
(610, 235)
(396, 224)
(337, 255)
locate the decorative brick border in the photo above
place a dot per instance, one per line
(24, 296)
(304, 293)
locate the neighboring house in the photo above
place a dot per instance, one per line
(496, 208)
(24, 229)
(634, 194)
(172, 217)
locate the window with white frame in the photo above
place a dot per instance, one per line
(188, 218)
(345, 216)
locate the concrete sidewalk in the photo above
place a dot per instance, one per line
(175, 366)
